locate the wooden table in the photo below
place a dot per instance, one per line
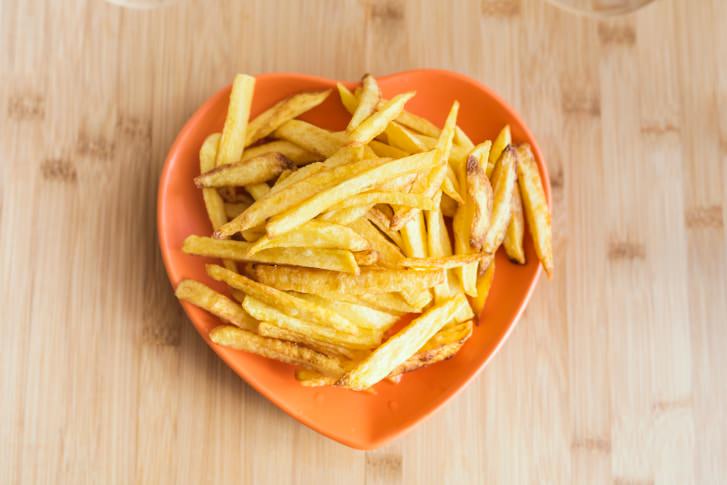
(616, 373)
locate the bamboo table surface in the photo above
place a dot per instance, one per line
(616, 372)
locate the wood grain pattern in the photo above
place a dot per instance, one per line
(615, 373)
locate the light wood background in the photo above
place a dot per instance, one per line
(616, 373)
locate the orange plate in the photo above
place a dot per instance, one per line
(359, 420)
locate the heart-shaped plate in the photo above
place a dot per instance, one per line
(357, 419)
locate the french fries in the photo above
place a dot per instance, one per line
(364, 338)
(397, 349)
(377, 122)
(270, 330)
(337, 235)
(295, 193)
(288, 304)
(318, 203)
(389, 254)
(442, 346)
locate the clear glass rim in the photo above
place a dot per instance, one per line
(605, 11)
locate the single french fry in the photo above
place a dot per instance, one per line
(503, 187)
(252, 171)
(446, 137)
(414, 237)
(377, 122)
(536, 208)
(397, 349)
(291, 306)
(345, 155)
(450, 186)
(365, 338)
(484, 283)
(366, 103)
(503, 140)
(439, 246)
(394, 198)
(346, 215)
(515, 230)
(288, 352)
(461, 228)
(287, 109)
(306, 280)
(418, 124)
(315, 234)
(217, 304)
(212, 199)
(232, 141)
(289, 150)
(402, 139)
(482, 153)
(389, 254)
(321, 258)
(385, 150)
(442, 262)
(348, 99)
(273, 331)
(479, 198)
(325, 199)
(461, 139)
(398, 184)
(309, 137)
(293, 194)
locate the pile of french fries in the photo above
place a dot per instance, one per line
(327, 239)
